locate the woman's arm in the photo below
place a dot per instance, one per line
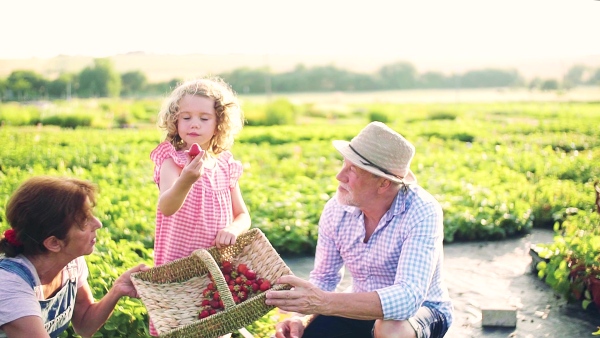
(28, 326)
(88, 316)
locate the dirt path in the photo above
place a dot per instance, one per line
(499, 273)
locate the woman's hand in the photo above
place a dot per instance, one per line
(123, 284)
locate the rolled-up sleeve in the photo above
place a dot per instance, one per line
(326, 273)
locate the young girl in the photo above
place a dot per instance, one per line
(200, 203)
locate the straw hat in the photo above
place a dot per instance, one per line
(380, 150)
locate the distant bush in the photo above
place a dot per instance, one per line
(69, 121)
(280, 112)
(442, 116)
(379, 116)
(254, 114)
(463, 137)
(16, 115)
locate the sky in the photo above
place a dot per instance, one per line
(436, 29)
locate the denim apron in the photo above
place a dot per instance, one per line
(56, 311)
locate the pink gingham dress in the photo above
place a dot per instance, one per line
(206, 210)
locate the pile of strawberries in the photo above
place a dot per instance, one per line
(243, 283)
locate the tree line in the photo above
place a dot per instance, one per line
(102, 80)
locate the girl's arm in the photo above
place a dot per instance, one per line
(176, 183)
(241, 220)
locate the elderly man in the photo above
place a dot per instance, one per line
(388, 232)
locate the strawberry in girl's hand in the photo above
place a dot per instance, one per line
(195, 150)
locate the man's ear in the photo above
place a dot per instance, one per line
(384, 183)
(53, 244)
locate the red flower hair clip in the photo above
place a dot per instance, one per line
(11, 237)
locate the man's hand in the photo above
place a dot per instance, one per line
(304, 297)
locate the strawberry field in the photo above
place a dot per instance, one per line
(498, 169)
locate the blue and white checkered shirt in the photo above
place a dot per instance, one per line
(402, 261)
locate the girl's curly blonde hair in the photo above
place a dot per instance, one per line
(230, 117)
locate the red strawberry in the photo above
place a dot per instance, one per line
(205, 302)
(266, 285)
(212, 311)
(243, 295)
(250, 274)
(207, 293)
(255, 287)
(242, 268)
(214, 304)
(203, 314)
(194, 150)
(216, 295)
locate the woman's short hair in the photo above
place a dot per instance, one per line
(45, 206)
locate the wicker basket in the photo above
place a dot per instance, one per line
(172, 293)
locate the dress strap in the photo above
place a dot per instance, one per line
(18, 269)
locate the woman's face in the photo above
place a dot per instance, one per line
(82, 239)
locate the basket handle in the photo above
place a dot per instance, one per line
(217, 276)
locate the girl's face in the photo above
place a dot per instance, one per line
(197, 120)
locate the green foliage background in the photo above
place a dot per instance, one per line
(498, 169)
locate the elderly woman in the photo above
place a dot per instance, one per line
(42, 272)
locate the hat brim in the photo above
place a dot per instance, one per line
(344, 148)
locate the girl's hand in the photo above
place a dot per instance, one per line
(194, 168)
(225, 237)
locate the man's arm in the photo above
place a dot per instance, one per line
(326, 273)
(306, 298)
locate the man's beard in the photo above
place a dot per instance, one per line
(345, 197)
